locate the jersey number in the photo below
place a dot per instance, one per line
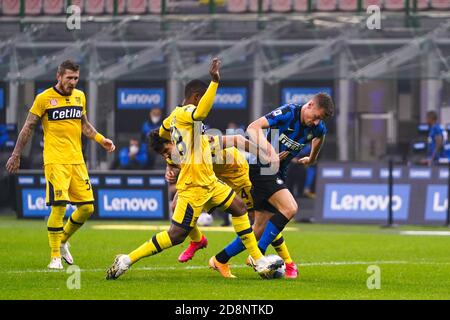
(178, 139)
(244, 195)
(88, 184)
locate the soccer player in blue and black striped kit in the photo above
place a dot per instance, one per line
(290, 128)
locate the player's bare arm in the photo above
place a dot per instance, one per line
(256, 135)
(25, 134)
(316, 145)
(90, 132)
(239, 142)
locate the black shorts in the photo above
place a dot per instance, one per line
(264, 186)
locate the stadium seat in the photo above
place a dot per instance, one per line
(421, 4)
(33, 7)
(326, 5)
(440, 4)
(367, 3)
(154, 6)
(95, 7)
(394, 4)
(301, 5)
(79, 3)
(281, 5)
(137, 6)
(11, 7)
(348, 5)
(110, 6)
(237, 6)
(254, 5)
(53, 7)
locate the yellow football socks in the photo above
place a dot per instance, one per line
(153, 246)
(242, 227)
(55, 229)
(195, 234)
(76, 220)
(280, 246)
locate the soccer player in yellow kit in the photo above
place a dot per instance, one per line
(231, 167)
(62, 111)
(197, 184)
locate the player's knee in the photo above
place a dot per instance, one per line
(177, 236)
(289, 210)
(87, 209)
(238, 207)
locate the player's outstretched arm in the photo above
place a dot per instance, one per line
(13, 163)
(90, 132)
(256, 135)
(206, 102)
(316, 145)
(239, 142)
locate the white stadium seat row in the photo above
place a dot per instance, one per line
(99, 7)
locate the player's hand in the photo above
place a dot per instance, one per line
(283, 155)
(306, 161)
(108, 145)
(13, 163)
(171, 176)
(214, 70)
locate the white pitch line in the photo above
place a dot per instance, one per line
(425, 233)
(197, 267)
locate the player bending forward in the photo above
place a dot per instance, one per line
(197, 184)
(231, 167)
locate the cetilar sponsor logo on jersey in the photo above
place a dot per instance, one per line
(65, 113)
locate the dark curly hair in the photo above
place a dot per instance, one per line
(156, 142)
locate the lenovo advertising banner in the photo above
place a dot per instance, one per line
(358, 192)
(121, 195)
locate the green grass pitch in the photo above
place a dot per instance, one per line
(333, 262)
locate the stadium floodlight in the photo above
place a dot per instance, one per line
(389, 62)
(234, 53)
(77, 49)
(130, 62)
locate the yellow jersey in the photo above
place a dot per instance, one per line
(61, 120)
(192, 146)
(229, 164)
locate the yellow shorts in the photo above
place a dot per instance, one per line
(191, 202)
(243, 188)
(245, 192)
(67, 183)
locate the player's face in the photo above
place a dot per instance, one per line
(313, 114)
(167, 151)
(69, 80)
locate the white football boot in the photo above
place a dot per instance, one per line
(121, 264)
(55, 264)
(65, 253)
(264, 267)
